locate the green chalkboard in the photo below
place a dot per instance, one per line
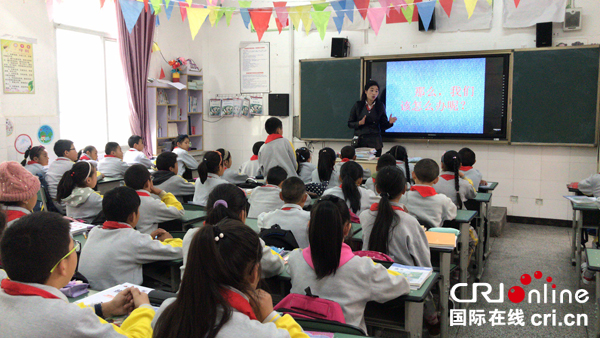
(328, 90)
(555, 96)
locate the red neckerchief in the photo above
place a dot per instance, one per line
(424, 191)
(110, 156)
(373, 178)
(12, 215)
(143, 193)
(238, 302)
(447, 177)
(375, 207)
(288, 208)
(31, 162)
(19, 289)
(85, 158)
(176, 148)
(132, 149)
(254, 158)
(109, 225)
(270, 186)
(344, 160)
(367, 105)
(272, 137)
(466, 168)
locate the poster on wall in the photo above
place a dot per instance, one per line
(17, 67)
(254, 68)
(45, 134)
(22, 143)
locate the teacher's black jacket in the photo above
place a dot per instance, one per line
(375, 123)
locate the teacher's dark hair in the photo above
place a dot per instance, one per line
(368, 85)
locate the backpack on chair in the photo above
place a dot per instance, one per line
(311, 307)
(279, 238)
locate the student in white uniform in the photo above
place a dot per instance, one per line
(401, 156)
(468, 160)
(135, 153)
(229, 175)
(18, 195)
(166, 177)
(358, 198)
(332, 272)
(229, 201)
(386, 160)
(277, 151)
(38, 161)
(325, 171)
(452, 182)
(250, 168)
(153, 210)
(348, 153)
(114, 253)
(590, 186)
(89, 154)
(112, 164)
(422, 201)
(67, 155)
(223, 275)
(40, 257)
(210, 170)
(76, 191)
(268, 197)
(291, 216)
(305, 168)
(186, 163)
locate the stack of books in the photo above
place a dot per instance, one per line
(441, 240)
(416, 275)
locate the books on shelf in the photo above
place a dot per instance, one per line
(416, 275)
(162, 97)
(192, 104)
(172, 130)
(441, 240)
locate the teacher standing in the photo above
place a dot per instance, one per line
(368, 119)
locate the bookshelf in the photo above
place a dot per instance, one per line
(173, 112)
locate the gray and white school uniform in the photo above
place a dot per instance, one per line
(115, 256)
(170, 182)
(290, 217)
(234, 177)
(590, 186)
(83, 203)
(430, 210)
(2, 274)
(334, 179)
(445, 185)
(111, 166)
(134, 156)
(56, 170)
(278, 152)
(370, 185)
(202, 190)
(407, 242)
(184, 159)
(271, 264)
(367, 197)
(35, 316)
(157, 210)
(355, 283)
(249, 168)
(475, 176)
(86, 158)
(306, 170)
(37, 169)
(366, 172)
(264, 199)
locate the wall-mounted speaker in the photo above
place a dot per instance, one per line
(279, 104)
(431, 24)
(340, 47)
(543, 34)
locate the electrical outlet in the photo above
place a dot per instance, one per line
(514, 199)
(414, 46)
(539, 201)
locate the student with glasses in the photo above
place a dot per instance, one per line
(67, 156)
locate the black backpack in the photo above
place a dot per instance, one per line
(279, 238)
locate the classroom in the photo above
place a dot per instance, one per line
(460, 138)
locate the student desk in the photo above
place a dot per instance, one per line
(193, 217)
(593, 256)
(483, 201)
(108, 183)
(591, 213)
(366, 164)
(484, 188)
(574, 188)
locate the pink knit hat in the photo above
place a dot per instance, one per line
(16, 183)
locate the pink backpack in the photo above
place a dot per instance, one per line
(353, 217)
(311, 307)
(375, 255)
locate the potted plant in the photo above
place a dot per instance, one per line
(178, 66)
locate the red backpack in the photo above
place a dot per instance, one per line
(374, 255)
(311, 307)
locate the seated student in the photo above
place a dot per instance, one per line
(135, 153)
(305, 168)
(186, 163)
(229, 201)
(40, 257)
(452, 182)
(112, 164)
(401, 156)
(385, 160)
(250, 168)
(267, 198)
(590, 186)
(291, 216)
(277, 151)
(358, 198)
(331, 270)
(422, 201)
(89, 154)
(219, 295)
(468, 160)
(326, 171)
(152, 210)
(166, 177)
(348, 153)
(76, 191)
(229, 175)
(38, 160)
(210, 170)
(67, 156)
(19, 191)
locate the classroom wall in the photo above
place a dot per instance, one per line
(529, 172)
(29, 19)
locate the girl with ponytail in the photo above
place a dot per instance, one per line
(38, 160)
(357, 198)
(452, 182)
(210, 170)
(305, 168)
(186, 163)
(325, 171)
(401, 156)
(76, 190)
